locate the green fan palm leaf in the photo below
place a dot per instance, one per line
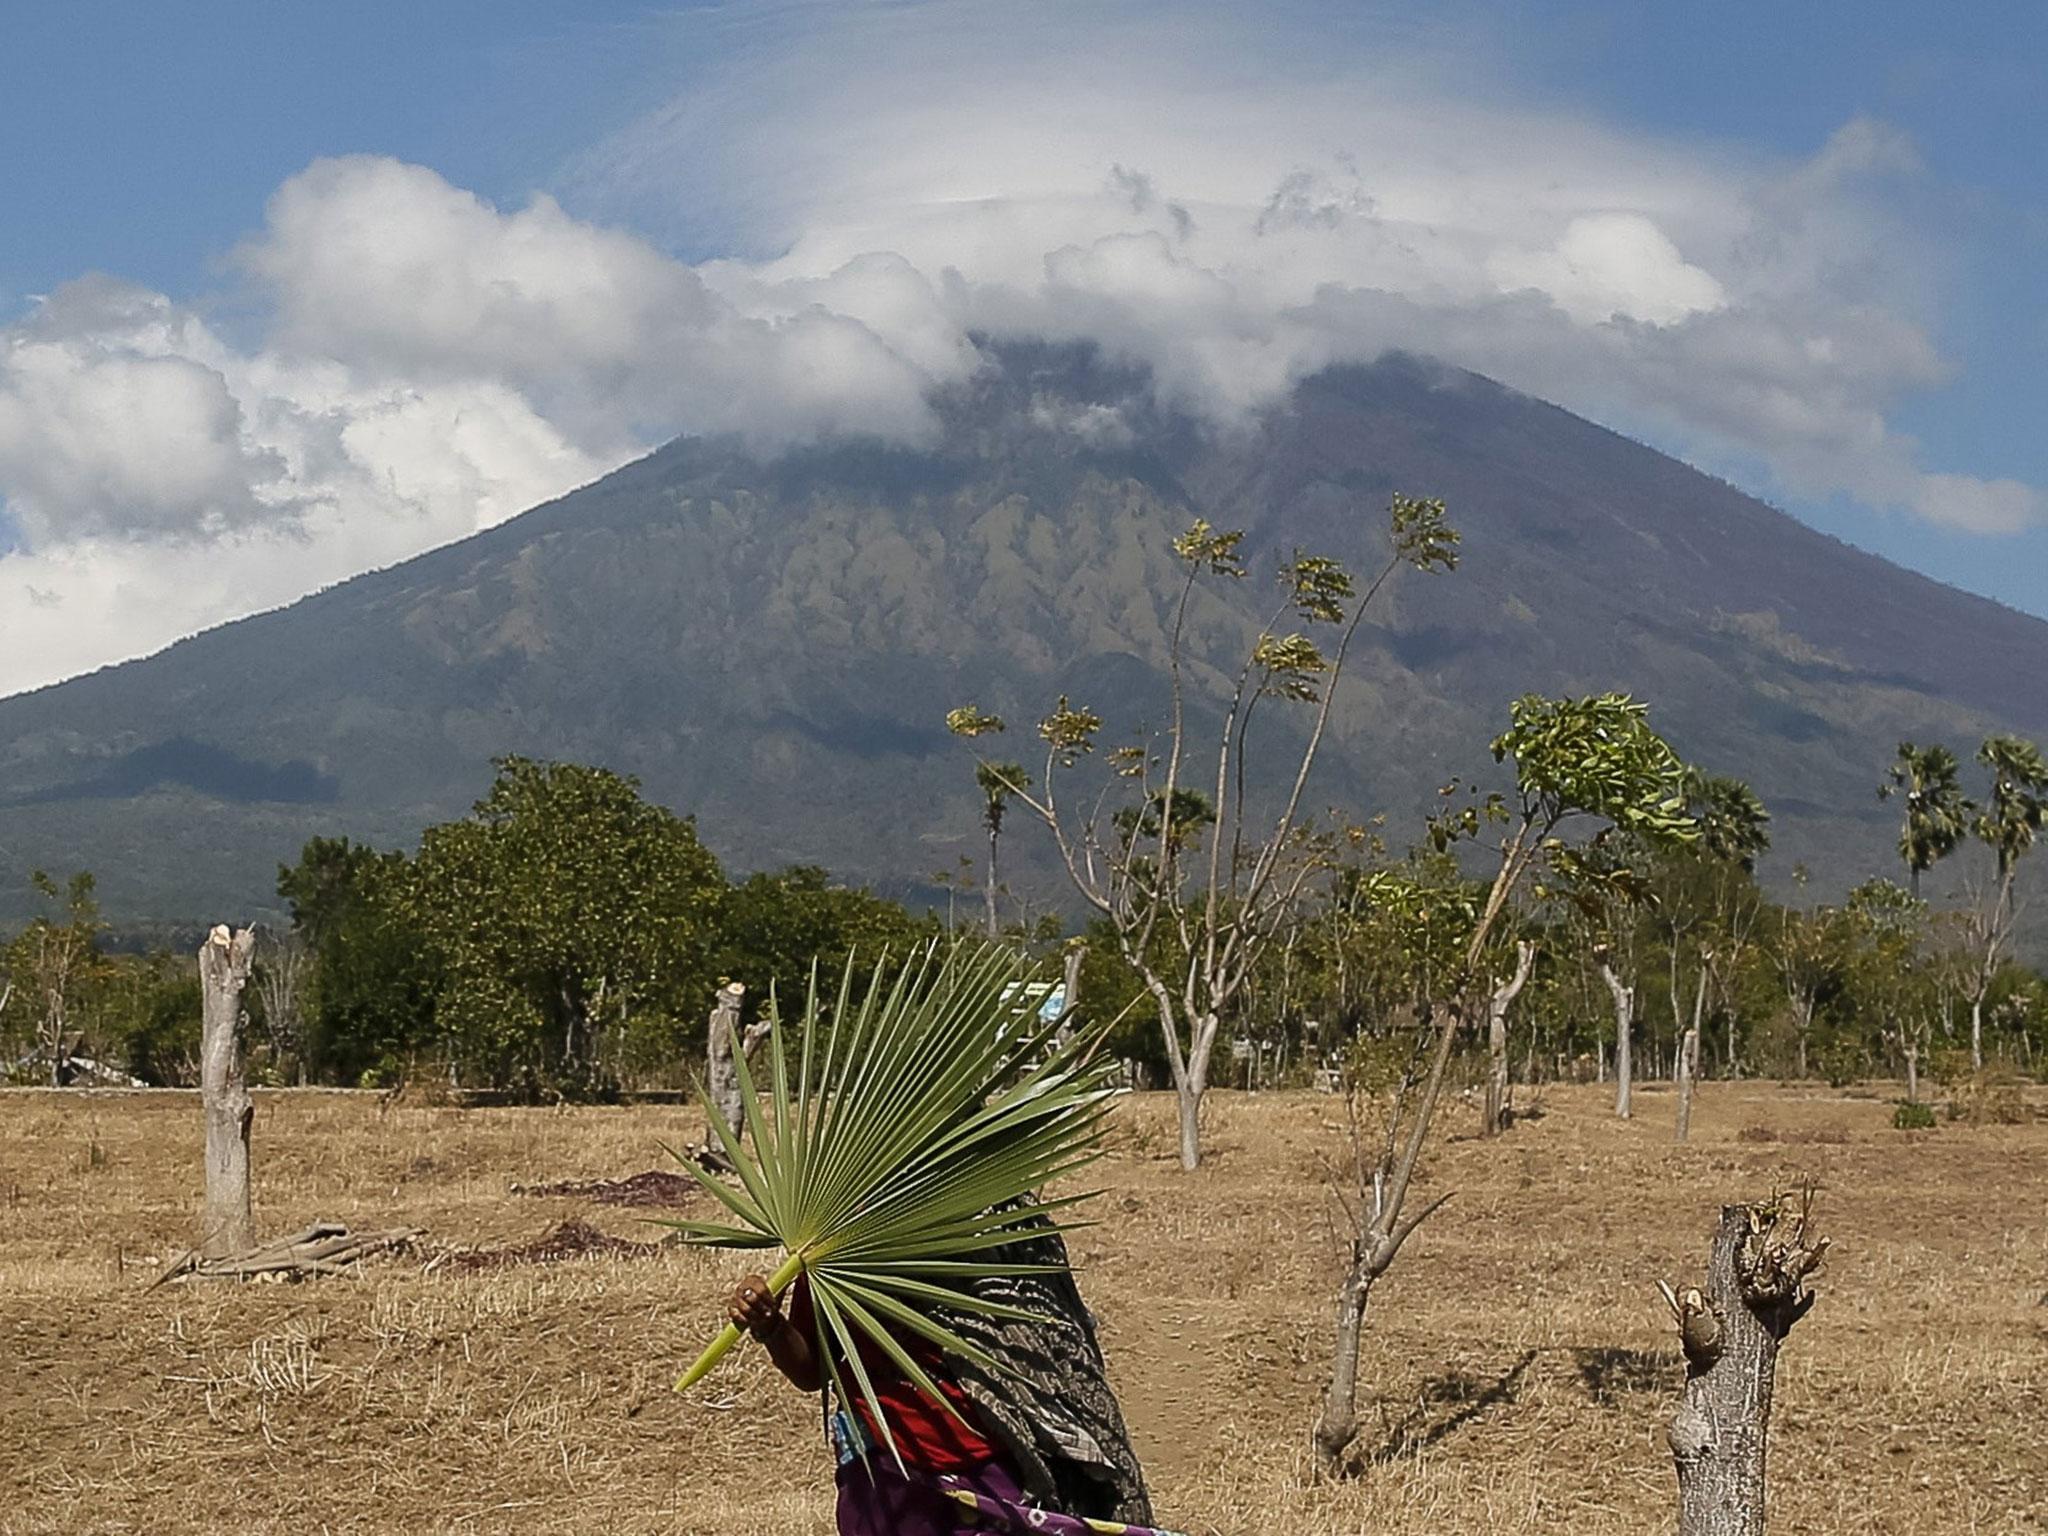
(903, 1154)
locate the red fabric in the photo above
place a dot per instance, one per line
(927, 1436)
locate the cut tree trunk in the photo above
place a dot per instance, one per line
(1977, 1033)
(1756, 1290)
(225, 1224)
(724, 1034)
(1497, 1006)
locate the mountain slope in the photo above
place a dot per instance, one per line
(771, 646)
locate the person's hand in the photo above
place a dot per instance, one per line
(751, 1307)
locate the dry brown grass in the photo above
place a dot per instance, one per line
(1518, 1365)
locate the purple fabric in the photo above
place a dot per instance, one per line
(876, 1499)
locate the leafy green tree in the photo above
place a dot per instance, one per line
(564, 912)
(772, 926)
(1937, 812)
(151, 1016)
(369, 1003)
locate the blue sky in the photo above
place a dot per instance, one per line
(1803, 246)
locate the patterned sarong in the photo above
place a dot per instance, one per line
(878, 1499)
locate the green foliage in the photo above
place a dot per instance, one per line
(1287, 666)
(1423, 535)
(370, 1004)
(562, 911)
(1734, 827)
(999, 783)
(566, 938)
(50, 967)
(902, 1154)
(156, 1021)
(1910, 1115)
(1937, 811)
(1597, 756)
(970, 720)
(2018, 807)
(1069, 731)
(1319, 587)
(773, 926)
(1203, 548)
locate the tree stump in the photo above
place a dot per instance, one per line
(723, 1072)
(226, 1225)
(1756, 1290)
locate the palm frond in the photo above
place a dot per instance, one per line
(925, 1113)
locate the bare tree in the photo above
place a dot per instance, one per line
(1804, 961)
(1498, 1002)
(53, 957)
(997, 783)
(226, 1225)
(1624, 1027)
(282, 967)
(1689, 1049)
(1731, 1332)
(1192, 926)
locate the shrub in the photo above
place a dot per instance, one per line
(1913, 1116)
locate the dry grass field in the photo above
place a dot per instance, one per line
(1519, 1368)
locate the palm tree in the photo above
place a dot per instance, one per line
(999, 782)
(1937, 811)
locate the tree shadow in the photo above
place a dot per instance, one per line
(1446, 1404)
(1611, 1373)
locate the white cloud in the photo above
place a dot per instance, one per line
(431, 366)
(1262, 198)
(1611, 266)
(1233, 211)
(106, 428)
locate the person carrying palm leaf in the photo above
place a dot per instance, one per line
(928, 1295)
(1039, 1446)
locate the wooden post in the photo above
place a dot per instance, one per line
(1756, 1290)
(1497, 1006)
(226, 1225)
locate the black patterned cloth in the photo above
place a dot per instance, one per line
(1051, 1410)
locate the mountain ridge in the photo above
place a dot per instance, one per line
(771, 644)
